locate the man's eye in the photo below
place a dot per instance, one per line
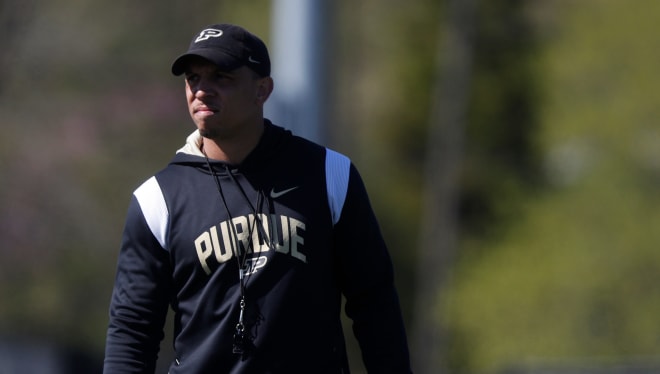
(222, 76)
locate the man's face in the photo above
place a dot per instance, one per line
(222, 104)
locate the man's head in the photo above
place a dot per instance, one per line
(227, 76)
(227, 46)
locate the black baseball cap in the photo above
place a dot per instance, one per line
(229, 47)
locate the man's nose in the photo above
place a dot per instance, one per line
(203, 89)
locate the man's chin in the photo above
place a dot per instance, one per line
(208, 133)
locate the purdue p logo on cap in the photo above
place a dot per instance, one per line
(208, 33)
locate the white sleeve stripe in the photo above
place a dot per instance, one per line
(337, 170)
(152, 202)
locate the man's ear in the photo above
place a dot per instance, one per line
(264, 89)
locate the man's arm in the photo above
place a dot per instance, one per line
(139, 301)
(367, 281)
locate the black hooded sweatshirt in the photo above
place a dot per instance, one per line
(295, 223)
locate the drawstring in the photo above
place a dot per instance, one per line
(257, 218)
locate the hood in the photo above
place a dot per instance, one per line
(193, 145)
(271, 143)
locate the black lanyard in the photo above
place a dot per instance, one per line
(242, 338)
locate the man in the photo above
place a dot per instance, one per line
(251, 235)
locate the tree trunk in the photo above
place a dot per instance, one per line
(439, 228)
(14, 20)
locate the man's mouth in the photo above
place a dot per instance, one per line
(203, 109)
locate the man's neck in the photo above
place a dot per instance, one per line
(232, 151)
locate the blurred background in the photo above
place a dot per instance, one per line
(511, 149)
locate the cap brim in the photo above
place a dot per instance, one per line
(223, 60)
